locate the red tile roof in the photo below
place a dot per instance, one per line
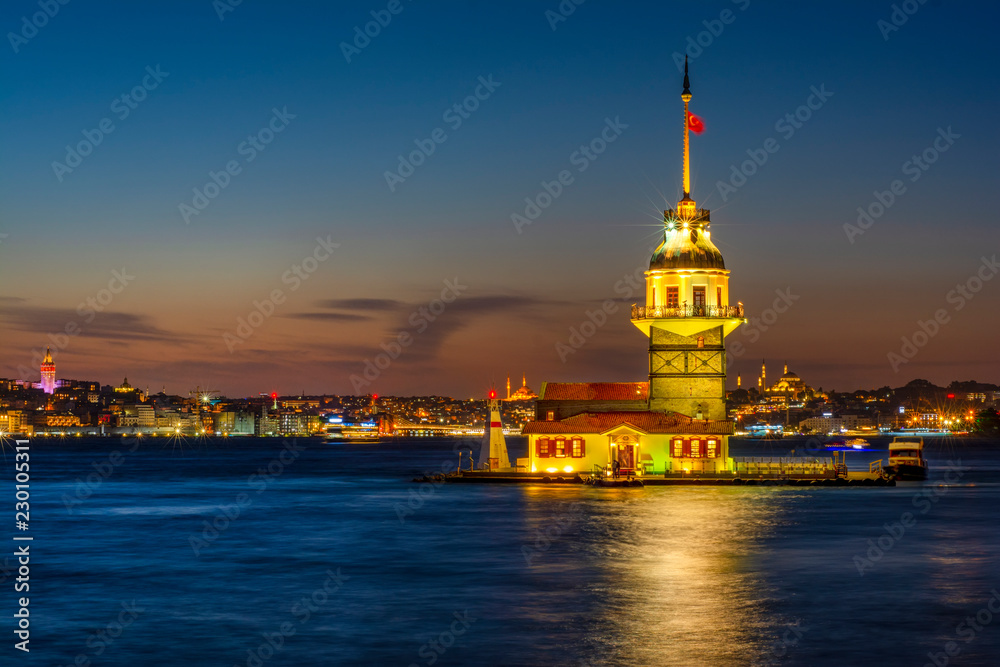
(647, 422)
(595, 391)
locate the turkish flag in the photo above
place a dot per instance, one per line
(695, 124)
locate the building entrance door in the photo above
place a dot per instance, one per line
(624, 453)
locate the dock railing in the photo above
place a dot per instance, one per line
(779, 467)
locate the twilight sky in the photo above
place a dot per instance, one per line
(267, 91)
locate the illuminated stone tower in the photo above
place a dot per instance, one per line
(48, 373)
(687, 315)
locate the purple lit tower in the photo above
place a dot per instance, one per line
(48, 373)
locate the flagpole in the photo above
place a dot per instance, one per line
(686, 96)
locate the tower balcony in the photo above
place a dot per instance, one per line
(667, 312)
(687, 213)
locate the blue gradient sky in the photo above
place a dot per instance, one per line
(323, 176)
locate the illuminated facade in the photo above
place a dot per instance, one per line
(676, 422)
(523, 393)
(48, 373)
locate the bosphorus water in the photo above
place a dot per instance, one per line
(260, 552)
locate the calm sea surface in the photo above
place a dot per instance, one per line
(329, 555)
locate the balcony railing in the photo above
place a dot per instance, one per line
(661, 312)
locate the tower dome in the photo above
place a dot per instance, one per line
(686, 248)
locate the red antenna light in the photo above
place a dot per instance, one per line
(493, 393)
(375, 397)
(274, 395)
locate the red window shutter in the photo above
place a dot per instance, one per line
(538, 448)
(583, 447)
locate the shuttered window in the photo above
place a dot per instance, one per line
(542, 448)
(560, 448)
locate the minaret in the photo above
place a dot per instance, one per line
(786, 368)
(508, 387)
(739, 381)
(763, 375)
(48, 373)
(687, 315)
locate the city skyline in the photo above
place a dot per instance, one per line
(325, 249)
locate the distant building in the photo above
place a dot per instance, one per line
(523, 393)
(145, 416)
(835, 424)
(789, 388)
(48, 373)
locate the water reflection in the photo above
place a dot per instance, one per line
(674, 582)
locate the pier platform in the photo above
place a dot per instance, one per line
(851, 479)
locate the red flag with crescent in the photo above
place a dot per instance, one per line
(695, 124)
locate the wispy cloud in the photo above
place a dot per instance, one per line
(377, 305)
(111, 326)
(332, 317)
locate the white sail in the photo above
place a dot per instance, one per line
(493, 454)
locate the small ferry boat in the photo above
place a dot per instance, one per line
(906, 459)
(848, 445)
(352, 432)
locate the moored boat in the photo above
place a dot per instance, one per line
(906, 459)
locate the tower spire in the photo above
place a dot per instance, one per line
(686, 96)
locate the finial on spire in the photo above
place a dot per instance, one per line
(687, 82)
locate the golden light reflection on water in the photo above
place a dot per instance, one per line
(675, 583)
